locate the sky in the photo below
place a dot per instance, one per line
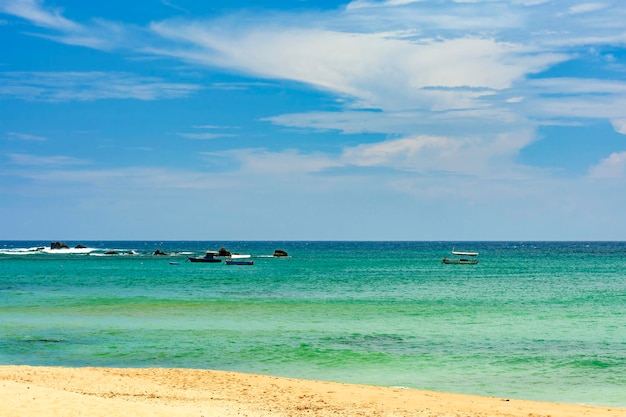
(419, 120)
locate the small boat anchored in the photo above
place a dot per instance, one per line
(209, 256)
(236, 259)
(461, 258)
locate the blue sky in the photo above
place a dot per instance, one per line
(313, 120)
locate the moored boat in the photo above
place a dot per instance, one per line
(461, 258)
(236, 262)
(236, 259)
(209, 256)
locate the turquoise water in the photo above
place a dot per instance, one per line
(533, 320)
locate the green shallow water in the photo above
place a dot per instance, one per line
(544, 320)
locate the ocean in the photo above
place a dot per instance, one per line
(532, 320)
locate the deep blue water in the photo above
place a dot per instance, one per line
(533, 320)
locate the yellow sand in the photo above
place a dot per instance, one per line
(27, 391)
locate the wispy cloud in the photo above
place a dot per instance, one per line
(619, 125)
(586, 7)
(474, 156)
(613, 167)
(97, 33)
(174, 6)
(127, 178)
(38, 160)
(467, 156)
(204, 135)
(25, 136)
(213, 127)
(265, 163)
(575, 98)
(38, 14)
(361, 4)
(474, 64)
(88, 86)
(405, 56)
(373, 71)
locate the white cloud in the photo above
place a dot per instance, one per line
(619, 125)
(97, 34)
(568, 85)
(586, 8)
(405, 123)
(88, 86)
(587, 106)
(575, 98)
(433, 154)
(288, 162)
(361, 4)
(418, 56)
(422, 65)
(36, 160)
(34, 11)
(135, 179)
(470, 156)
(374, 70)
(207, 135)
(612, 167)
(203, 135)
(25, 136)
(416, 154)
(174, 6)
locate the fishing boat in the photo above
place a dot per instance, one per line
(209, 256)
(461, 258)
(236, 259)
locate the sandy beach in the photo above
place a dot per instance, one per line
(49, 391)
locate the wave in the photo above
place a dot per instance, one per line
(46, 249)
(69, 250)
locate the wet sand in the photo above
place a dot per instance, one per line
(27, 391)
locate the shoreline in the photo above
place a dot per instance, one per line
(29, 391)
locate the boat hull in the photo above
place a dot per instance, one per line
(239, 262)
(205, 260)
(459, 261)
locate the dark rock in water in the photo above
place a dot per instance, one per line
(58, 245)
(223, 252)
(159, 252)
(80, 247)
(49, 340)
(44, 340)
(110, 252)
(280, 253)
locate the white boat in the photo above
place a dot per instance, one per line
(237, 259)
(461, 258)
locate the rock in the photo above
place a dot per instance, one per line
(159, 252)
(279, 253)
(223, 252)
(110, 252)
(58, 245)
(80, 247)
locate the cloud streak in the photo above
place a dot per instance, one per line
(41, 161)
(476, 65)
(25, 137)
(38, 14)
(417, 56)
(613, 167)
(88, 86)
